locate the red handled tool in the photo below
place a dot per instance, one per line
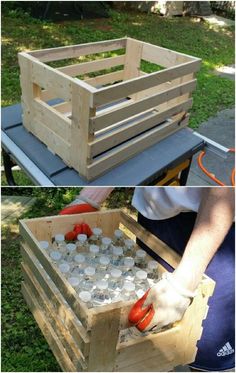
(139, 316)
(77, 209)
(78, 229)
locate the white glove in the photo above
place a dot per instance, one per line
(169, 301)
(94, 196)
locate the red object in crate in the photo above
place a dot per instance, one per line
(139, 316)
(82, 228)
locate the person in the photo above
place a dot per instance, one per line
(198, 223)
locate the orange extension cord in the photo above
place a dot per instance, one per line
(210, 175)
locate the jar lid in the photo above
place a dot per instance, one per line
(141, 275)
(128, 261)
(71, 247)
(74, 281)
(106, 241)
(94, 249)
(118, 233)
(116, 273)
(129, 243)
(89, 271)
(55, 255)
(59, 237)
(104, 260)
(141, 253)
(64, 267)
(102, 284)
(152, 264)
(129, 286)
(44, 245)
(117, 250)
(82, 238)
(79, 258)
(85, 296)
(97, 231)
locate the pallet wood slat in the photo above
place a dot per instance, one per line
(88, 67)
(105, 120)
(79, 141)
(73, 51)
(95, 345)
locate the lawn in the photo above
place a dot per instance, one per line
(215, 46)
(24, 348)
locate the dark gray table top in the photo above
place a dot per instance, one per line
(142, 169)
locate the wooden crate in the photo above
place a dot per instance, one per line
(85, 339)
(104, 120)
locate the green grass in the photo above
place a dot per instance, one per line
(24, 348)
(214, 45)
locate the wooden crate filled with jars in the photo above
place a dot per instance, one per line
(82, 274)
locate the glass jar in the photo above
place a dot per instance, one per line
(44, 245)
(115, 280)
(100, 294)
(82, 243)
(128, 268)
(117, 256)
(141, 283)
(64, 269)
(74, 282)
(86, 298)
(89, 279)
(105, 246)
(140, 258)
(96, 237)
(70, 252)
(128, 247)
(102, 268)
(93, 254)
(152, 270)
(56, 256)
(118, 238)
(128, 291)
(59, 243)
(79, 265)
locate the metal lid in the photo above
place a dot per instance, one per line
(102, 284)
(59, 237)
(55, 255)
(44, 245)
(89, 271)
(106, 241)
(97, 231)
(94, 249)
(79, 258)
(82, 238)
(141, 275)
(85, 296)
(129, 243)
(117, 250)
(128, 261)
(104, 260)
(74, 281)
(141, 253)
(129, 286)
(71, 247)
(64, 267)
(116, 273)
(118, 233)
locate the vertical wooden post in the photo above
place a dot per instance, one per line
(132, 61)
(80, 131)
(103, 341)
(28, 88)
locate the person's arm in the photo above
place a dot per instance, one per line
(171, 296)
(89, 199)
(215, 217)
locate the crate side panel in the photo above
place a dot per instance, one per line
(62, 308)
(48, 331)
(64, 335)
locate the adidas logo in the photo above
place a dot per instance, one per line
(225, 350)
